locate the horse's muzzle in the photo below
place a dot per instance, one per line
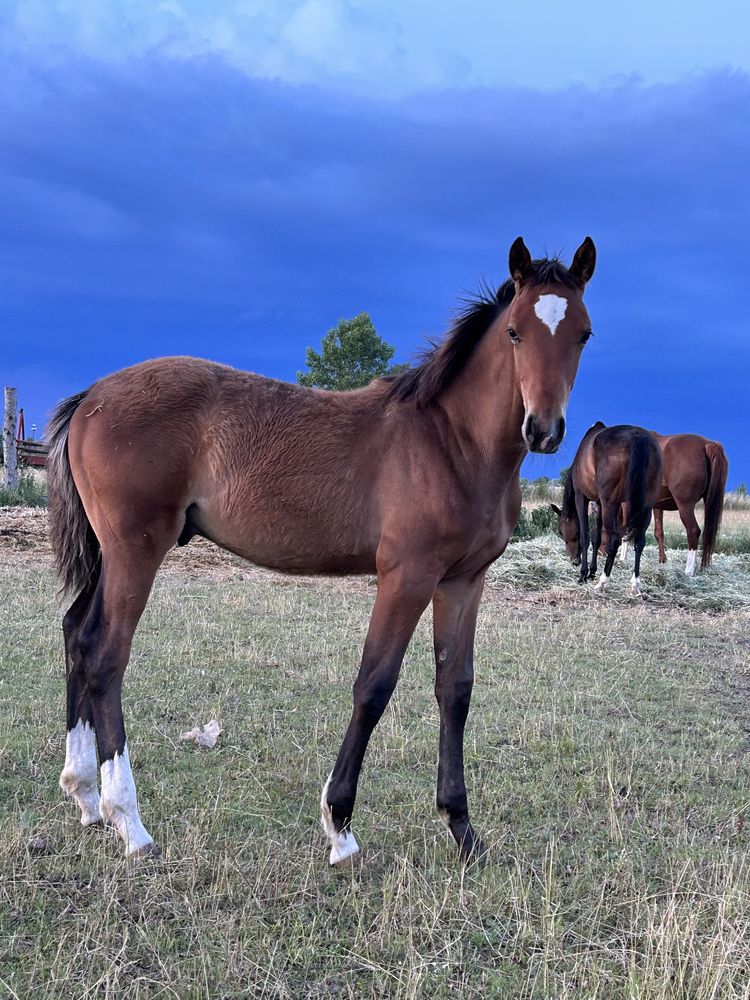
(543, 437)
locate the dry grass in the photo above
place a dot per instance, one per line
(606, 758)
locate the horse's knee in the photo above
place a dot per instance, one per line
(373, 694)
(454, 698)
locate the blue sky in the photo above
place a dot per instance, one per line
(230, 179)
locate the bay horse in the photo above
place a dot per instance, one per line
(414, 478)
(619, 467)
(695, 468)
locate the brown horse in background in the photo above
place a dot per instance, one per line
(695, 469)
(620, 468)
(414, 478)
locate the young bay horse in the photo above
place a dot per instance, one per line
(618, 467)
(414, 478)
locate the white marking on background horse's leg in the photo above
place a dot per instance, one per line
(635, 586)
(624, 552)
(550, 309)
(603, 580)
(690, 565)
(119, 803)
(343, 845)
(78, 778)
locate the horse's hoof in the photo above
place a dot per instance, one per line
(149, 852)
(347, 862)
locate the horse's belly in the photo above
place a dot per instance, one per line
(289, 541)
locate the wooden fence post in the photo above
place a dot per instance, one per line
(10, 459)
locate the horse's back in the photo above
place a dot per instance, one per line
(278, 473)
(687, 466)
(615, 449)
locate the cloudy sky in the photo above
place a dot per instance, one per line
(229, 179)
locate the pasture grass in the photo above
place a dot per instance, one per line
(606, 757)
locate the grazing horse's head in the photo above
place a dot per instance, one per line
(568, 530)
(548, 325)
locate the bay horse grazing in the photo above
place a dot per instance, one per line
(618, 466)
(414, 478)
(695, 468)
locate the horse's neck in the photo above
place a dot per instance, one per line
(486, 408)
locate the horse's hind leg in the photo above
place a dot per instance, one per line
(614, 537)
(79, 775)
(455, 607)
(402, 597)
(104, 641)
(639, 541)
(687, 516)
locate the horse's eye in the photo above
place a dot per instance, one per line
(513, 335)
(586, 336)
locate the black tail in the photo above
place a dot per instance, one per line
(643, 451)
(714, 499)
(71, 536)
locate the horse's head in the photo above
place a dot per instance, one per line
(548, 325)
(568, 530)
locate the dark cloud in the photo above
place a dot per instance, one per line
(187, 209)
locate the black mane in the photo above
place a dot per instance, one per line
(442, 362)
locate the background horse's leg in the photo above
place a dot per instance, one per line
(596, 542)
(687, 516)
(659, 533)
(639, 540)
(614, 537)
(103, 645)
(455, 606)
(402, 597)
(79, 775)
(582, 509)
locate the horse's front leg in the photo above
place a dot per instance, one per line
(582, 510)
(597, 541)
(403, 594)
(455, 607)
(659, 533)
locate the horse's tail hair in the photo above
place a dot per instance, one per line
(74, 544)
(640, 455)
(714, 499)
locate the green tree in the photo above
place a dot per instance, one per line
(352, 355)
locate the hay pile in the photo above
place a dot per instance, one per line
(540, 564)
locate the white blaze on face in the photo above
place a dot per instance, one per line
(78, 778)
(343, 845)
(119, 804)
(551, 310)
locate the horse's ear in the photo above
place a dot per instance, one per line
(519, 261)
(556, 509)
(584, 261)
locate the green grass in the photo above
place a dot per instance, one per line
(31, 491)
(606, 759)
